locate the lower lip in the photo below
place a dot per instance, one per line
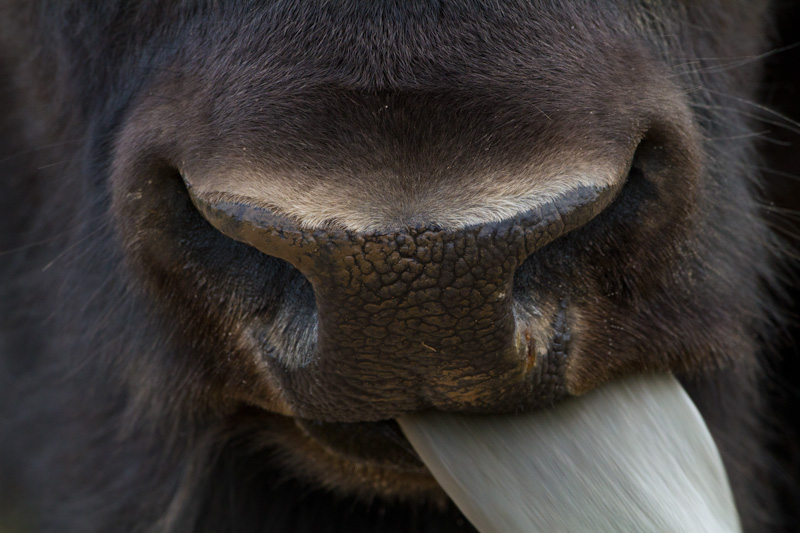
(375, 443)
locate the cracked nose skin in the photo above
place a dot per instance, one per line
(409, 319)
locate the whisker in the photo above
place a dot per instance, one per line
(769, 111)
(734, 62)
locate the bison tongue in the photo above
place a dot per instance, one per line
(634, 455)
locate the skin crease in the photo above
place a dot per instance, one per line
(160, 373)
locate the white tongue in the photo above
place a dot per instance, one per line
(634, 455)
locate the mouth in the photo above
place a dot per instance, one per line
(375, 444)
(365, 460)
(633, 455)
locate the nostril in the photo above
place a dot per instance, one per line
(272, 234)
(650, 200)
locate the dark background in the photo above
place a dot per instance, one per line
(781, 147)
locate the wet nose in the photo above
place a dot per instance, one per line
(413, 318)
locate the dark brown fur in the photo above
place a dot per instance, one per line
(133, 394)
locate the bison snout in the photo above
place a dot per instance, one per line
(415, 318)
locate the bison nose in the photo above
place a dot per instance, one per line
(413, 318)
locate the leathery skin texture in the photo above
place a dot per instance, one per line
(416, 318)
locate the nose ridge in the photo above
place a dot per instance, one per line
(281, 237)
(413, 318)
